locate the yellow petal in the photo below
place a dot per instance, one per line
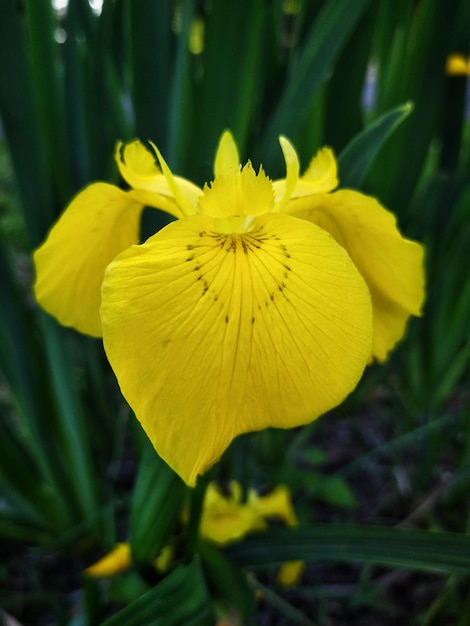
(283, 189)
(238, 193)
(100, 222)
(183, 191)
(226, 157)
(390, 321)
(457, 65)
(224, 518)
(115, 562)
(289, 573)
(164, 559)
(212, 335)
(391, 265)
(276, 504)
(138, 166)
(321, 176)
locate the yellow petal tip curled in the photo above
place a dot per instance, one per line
(138, 165)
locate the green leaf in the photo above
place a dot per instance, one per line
(344, 90)
(181, 598)
(19, 530)
(152, 66)
(355, 160)
(228, 582)
(336, 490)
(75, 105)
(20, 119)
(181, 109)
(157, 503)
(229, 90)
(71, 414)
(418, 75)
(44, 54)
(393, 547)
(329, 33)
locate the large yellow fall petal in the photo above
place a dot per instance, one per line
(212, 335)
(391, 265)
(100, 222)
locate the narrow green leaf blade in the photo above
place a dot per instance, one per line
(329, 33)
(44, 54)
(152, 65)
(157, 502)
(181, 598)
(226, 580)
(71, 413)
(355, 160)
(393, 547)
(20, 119)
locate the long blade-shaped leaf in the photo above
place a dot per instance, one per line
(394, 547)
(21, 122)
(156, 504)
(329, 33)
(179, 599)
(359, 154)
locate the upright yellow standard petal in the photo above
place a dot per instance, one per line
(212, 335)
(226, 157)
(391, 265)
(283, 189)
(243, 193)
(99, 223)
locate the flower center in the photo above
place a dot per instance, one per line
(236, 198)
(237, 224)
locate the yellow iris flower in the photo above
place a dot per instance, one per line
(225, 519)
(259, 306)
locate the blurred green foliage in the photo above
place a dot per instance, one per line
(367, 78)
